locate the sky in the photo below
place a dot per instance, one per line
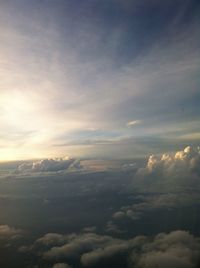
(98, 79)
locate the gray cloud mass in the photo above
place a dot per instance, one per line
(179, 249)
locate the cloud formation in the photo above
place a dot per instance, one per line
(182, 162)
(179, 171)
(9, 232)
(52, 239)
(179, 249)
(169, 180)
(156, 202)
(141, 64)
(77, 245)
(133, 123)
(61, 265)
(50, 165)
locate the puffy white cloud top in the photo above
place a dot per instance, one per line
(48, 165)
(182, 162)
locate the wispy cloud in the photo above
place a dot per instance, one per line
(133, 123)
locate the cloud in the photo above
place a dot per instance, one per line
(182, 162)
(9, 232)
(178, 248)
(127, 212)
(91, 258)
(50, 165)
(133, 123)
(113, 228)
(90, 229)
(76, 245)
(174, 172)
(172, 177)
(52, 239)
(61, 265)
(156, 202)
(77, 85)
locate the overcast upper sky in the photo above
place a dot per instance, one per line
(98, 78)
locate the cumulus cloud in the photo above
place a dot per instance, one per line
(76, 245)
(113, 248)
(127, 212)
(172, 177)
(170, 172)
(113, 228)
(179, 249)
(52, 239)
(90, 258)
(156, 202)
(181, 163)
(50, 165)
(9, 232)
(61, 265)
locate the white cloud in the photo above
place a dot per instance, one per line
(171, 177)
(181, 164)
(133, 123)
(48, 165)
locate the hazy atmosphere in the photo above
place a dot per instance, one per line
(99, 133)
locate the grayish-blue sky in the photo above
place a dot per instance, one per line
(109, 78)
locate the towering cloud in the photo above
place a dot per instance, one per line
(181, 168)
(185, 161)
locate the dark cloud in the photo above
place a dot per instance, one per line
(90, 229)
(156, 202)
(178, 248)
(52, 239)
(77, 245)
